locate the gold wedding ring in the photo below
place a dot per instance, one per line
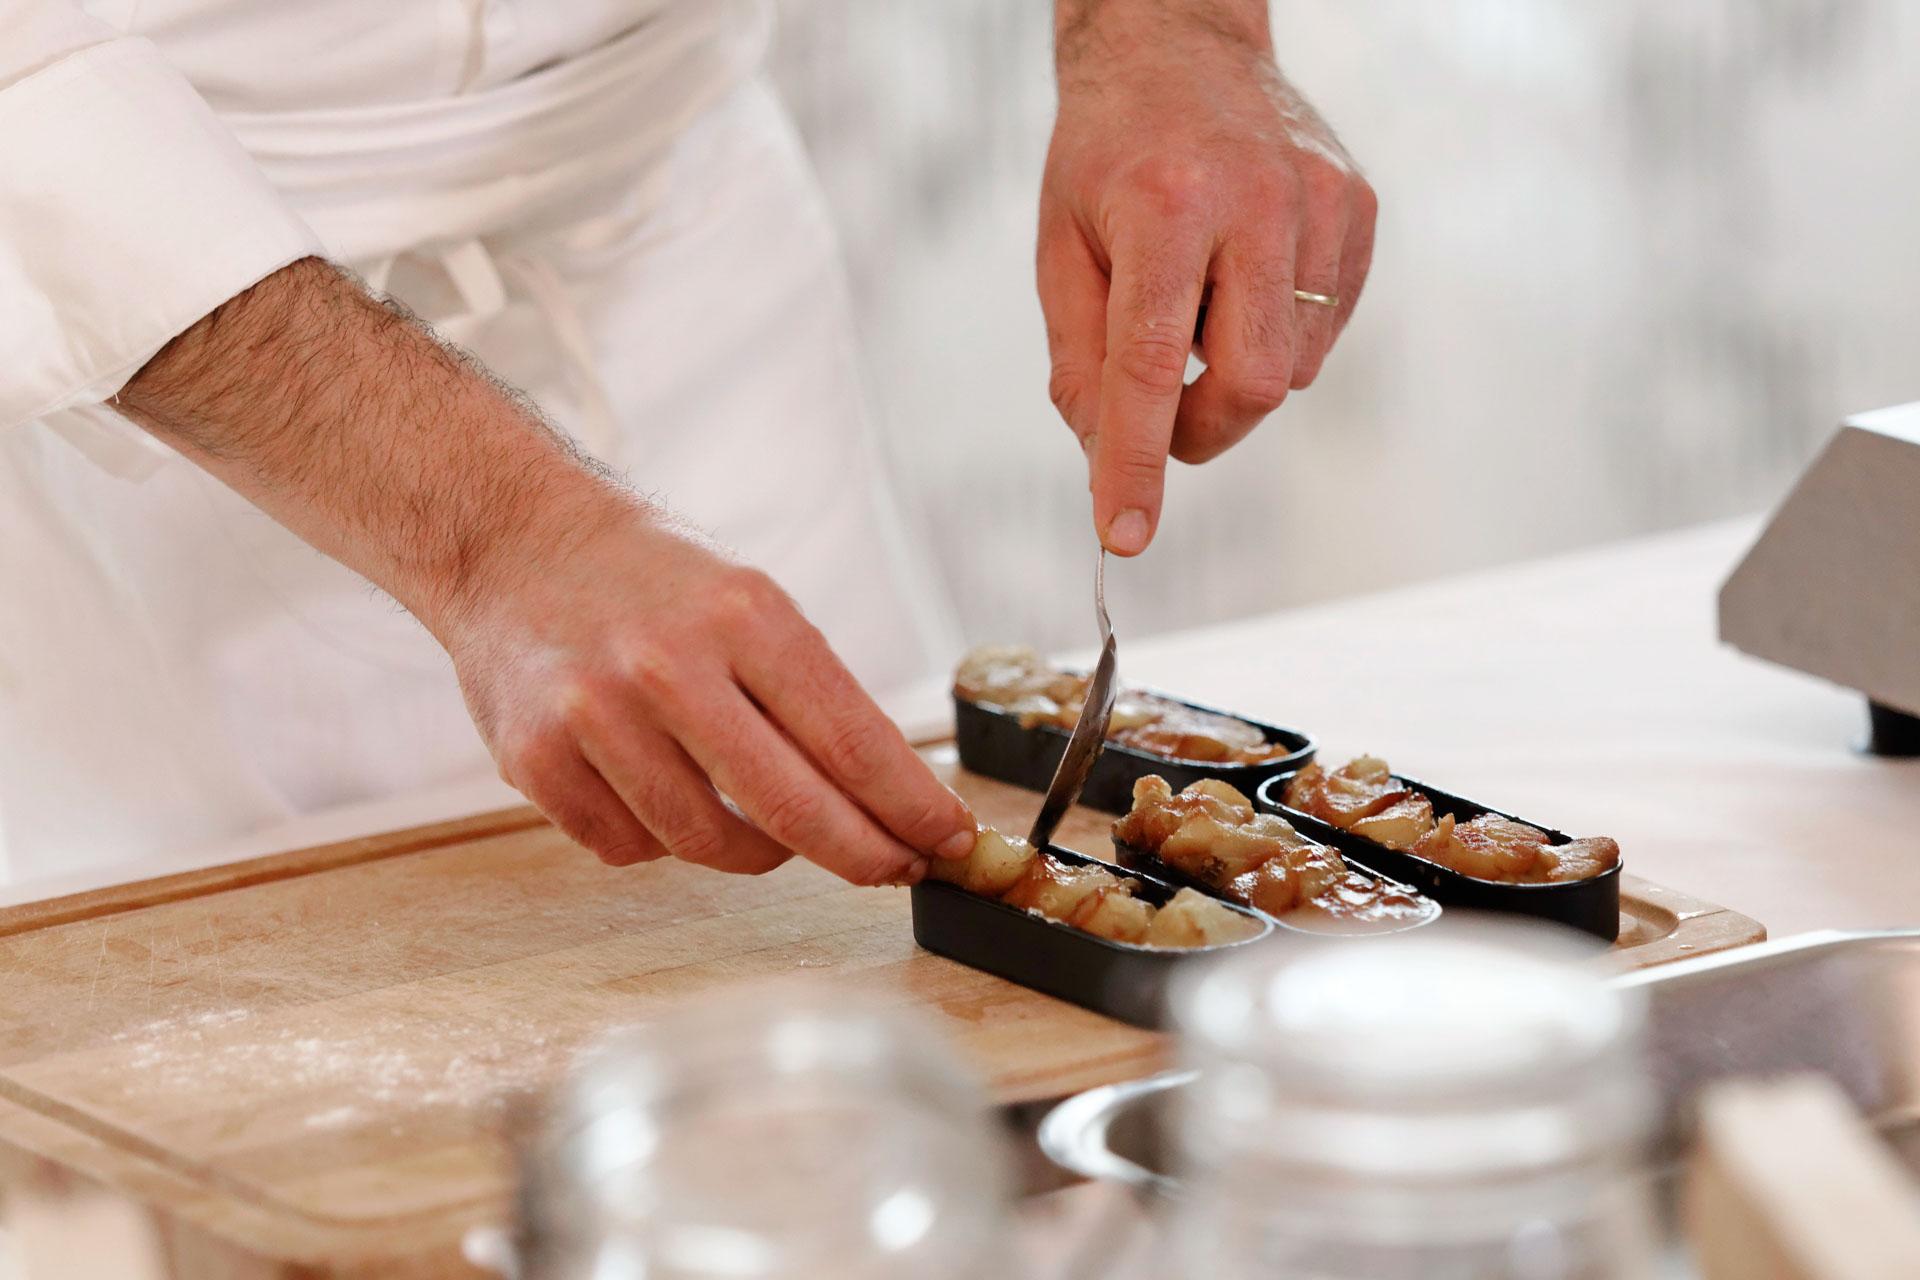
(1318, 299)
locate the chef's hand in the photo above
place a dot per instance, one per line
(620, 667)
(625, 668)
(1185, 168)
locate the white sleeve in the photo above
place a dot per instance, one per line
(127, 210)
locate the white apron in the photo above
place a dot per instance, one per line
(632, 236)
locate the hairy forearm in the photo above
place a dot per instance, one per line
(1085, 28)
(344, 419)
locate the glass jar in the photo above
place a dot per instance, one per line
(802, 1133)
(1425, 1107)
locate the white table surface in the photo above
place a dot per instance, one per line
(1586, 691)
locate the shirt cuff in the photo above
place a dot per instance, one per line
(127, 212)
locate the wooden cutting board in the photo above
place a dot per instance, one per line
(301, 1061)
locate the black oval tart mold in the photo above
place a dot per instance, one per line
(1591, 905)
(1120, 979)
(1144, 862)
(993, 743)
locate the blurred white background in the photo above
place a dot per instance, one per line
(1635, 261)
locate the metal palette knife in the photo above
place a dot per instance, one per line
(1090, 730)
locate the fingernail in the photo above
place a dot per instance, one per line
(957, 845)
(1127, 533)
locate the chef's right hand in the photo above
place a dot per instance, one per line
(627, 673)
(624, 670)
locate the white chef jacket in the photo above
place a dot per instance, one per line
(594, 195)
(130, 212)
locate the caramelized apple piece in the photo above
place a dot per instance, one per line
(1236, 802)
(1303, 788)
(1210, 832)
(1152, 789)
(1214, 852)
(1192, 919)
(1054, 889)
(1198, 849)
(1037, 708)
(1508, 829)
(1150, 821)
(1114, 913)
(1359, 789)
(996, 864)
(1371, 769)
(1178, 745)
(1067, 689)
(1522, 848)
(1272, 887)
(1130, 712)
(1188, 733)
(1000, 674)
(1399, 825)
(1582, 859)
(1157, 813)
(1488, 847)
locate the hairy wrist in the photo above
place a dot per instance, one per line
(1090, 32)
(345, 418)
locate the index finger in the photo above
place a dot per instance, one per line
(781, 792)
(1151, 309)
(803, 686)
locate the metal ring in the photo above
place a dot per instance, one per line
(1318, 299)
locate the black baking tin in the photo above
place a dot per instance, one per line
(1118, 979)
(1591, 905)
(995, 744)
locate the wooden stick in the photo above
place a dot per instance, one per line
(1787, 1182)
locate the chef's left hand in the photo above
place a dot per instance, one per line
(1184, 167)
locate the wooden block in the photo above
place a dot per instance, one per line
(1789, 1183)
